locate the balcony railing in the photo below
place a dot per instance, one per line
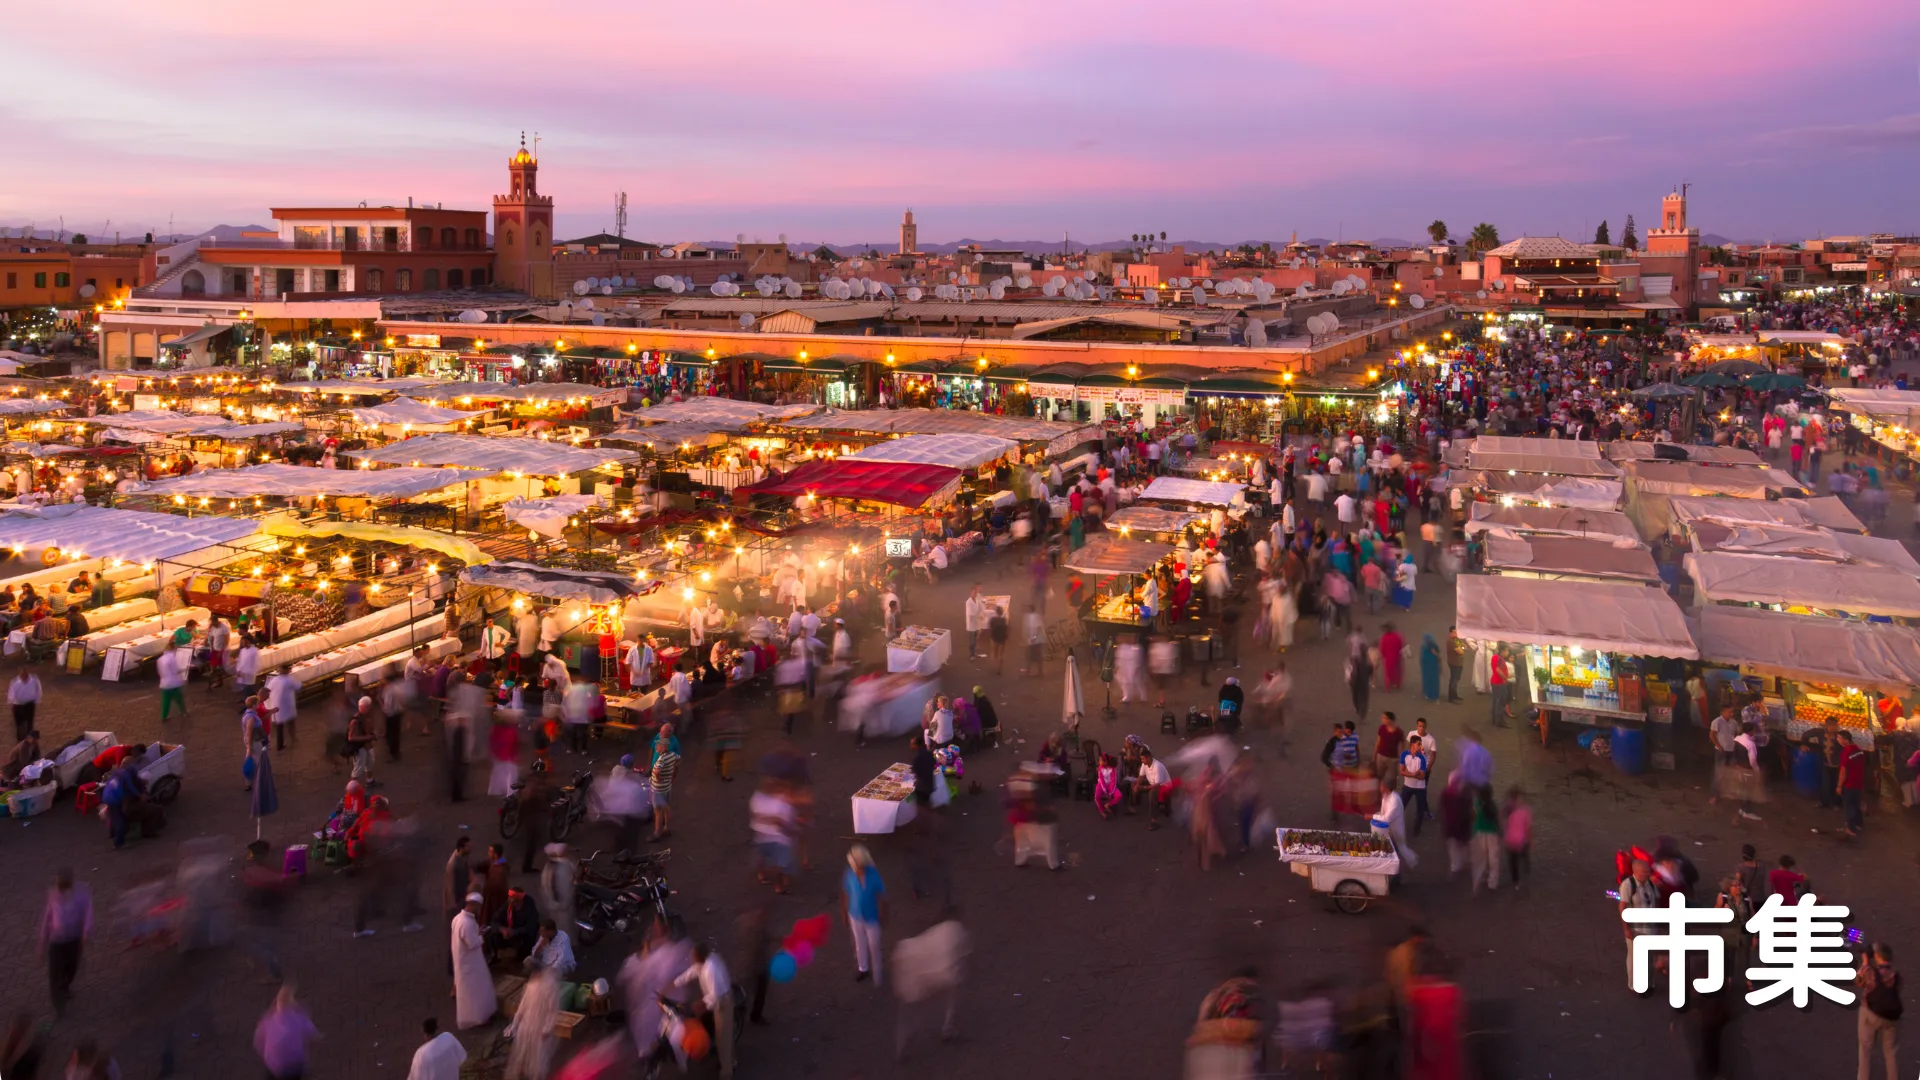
(277, 244)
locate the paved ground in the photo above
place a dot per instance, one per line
(1092, 972)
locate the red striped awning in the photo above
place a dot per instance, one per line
(895, 483)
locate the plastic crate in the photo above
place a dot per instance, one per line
(30, 801)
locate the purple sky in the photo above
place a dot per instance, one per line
(1226, 120)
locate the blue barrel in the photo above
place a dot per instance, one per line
(1629, 747)
(1807, 772)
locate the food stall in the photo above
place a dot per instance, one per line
(1354, 868)
(1116, 564)
(886, 802)
(922, 650)
(1807, 668)
(1156, 523)
(1583, 642)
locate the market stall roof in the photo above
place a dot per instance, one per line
(361, 386)
(1872, 656)
(1638, 450)
(953, 451)
(1803, 543)
(671, 436)
(417, 413)
(133, 536)
(1112, 555)
(1579, 491)
(289, 481)
(592, 586)
(1526, 444)
(24, 405)
(1565, 556)
(1152, 519)
(161, 422)
(895, 483)
(1059, 437)
(1804, 337)
(1826, 512)
(1612, 617)
(538, 457)
(250, 431)
(1689, 478)
(1181, 489)
(537, 392)
(1551, 520)
(1858, 589)
(548, 515)
(719, 410)
(1508, 453)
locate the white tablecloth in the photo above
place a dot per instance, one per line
(125, 611)
(922, 661)
(152, 626)
(880, 815)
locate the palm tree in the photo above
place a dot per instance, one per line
(1483, 238)
(1163, 236)
(1438, 231)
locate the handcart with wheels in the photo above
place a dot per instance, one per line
(1353, 868)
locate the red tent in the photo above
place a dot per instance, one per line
(877, 481)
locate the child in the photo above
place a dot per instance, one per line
(1518, 834)
(1106, 787)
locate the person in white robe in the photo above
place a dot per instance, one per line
(640, 663)
(493, 640)
(473, 997)
(1286, 612)
(644, 976)
(534, 1041)
(697, 625)
(526, 627)
(1482, 667)
(440, 1057)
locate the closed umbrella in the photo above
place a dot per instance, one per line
(1073, 708)
(266, 798)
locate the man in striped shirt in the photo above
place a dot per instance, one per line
(666, 764)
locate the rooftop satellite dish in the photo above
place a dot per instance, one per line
(1057, 282)
(1199, 296)
(793, 290)
(783, 238)
(913, 295)
(1106, 292)
(606, 290)
(473, 315)
(580, 288)
(1295, 262)
(663, 282)
(1088, 275)
(1340, 287)
(764, 288)
(1416, 301)
(1151, 296)
(746, 320)
(997, 291)
(739, 238)
(593, 282)
(1185, 283)
(630, 283)
(1025, 282)
(585, 305)
(1302, 289)
(1207, 284)
(1050, 289)
(678, 286)
(1256, 334)
(87, 289)
(1333, 322)
(1481, 294)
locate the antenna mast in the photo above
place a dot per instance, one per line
(620, 214)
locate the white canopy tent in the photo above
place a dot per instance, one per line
(592, 586)
(75, 530)
(1826, 512)
(1873, 656)
(362, 387)
(406, 412)
(1719, 577)
(663, 437)
(716, 410)
(535, 457)
(540, 393)
(251, 431)
(548, 516)
(1547, 490)
(24, 406)
(291, 481)
(1565, 556)
(1114, 555)
(1635, 620)
(1823, 544)
(967, 452)
(161, 422)
(1182, 490)
(1551, 521)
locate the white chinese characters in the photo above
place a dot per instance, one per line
(1801, 948)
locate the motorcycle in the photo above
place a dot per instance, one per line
(571, 805)
(618, 909)
(621, 869)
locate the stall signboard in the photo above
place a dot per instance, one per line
(1132, 395)
(146, 403)
(1058, 391)
(423, 341)
(899, 547)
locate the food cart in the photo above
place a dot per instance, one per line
(1116, 564)
(1354, 868)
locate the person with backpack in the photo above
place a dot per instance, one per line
(1637, 890)
(1880, 1009)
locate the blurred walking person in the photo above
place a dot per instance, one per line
(864, 897)
(927, 971)
(65, 926)
(283, 1035)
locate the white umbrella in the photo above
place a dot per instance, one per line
(1074, 709)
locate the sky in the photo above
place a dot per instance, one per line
(1224, 121)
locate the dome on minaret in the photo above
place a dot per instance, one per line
(522, 157)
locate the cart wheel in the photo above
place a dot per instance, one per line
(562, 824)
(1351, 897)
(510, 820)
(166, 789)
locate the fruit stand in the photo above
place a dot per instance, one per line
(1585, 686)
(1352, 867)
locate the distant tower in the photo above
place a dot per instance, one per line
(1674, 240)
(909, 235)
(523, 229)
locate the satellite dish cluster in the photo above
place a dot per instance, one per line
(769, 286)
(855, 288)
(1324, 323)
(1079, 288)
(1256, 334)
(673, 284)
(603, 285)
(1259, 288)
(473, 315)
